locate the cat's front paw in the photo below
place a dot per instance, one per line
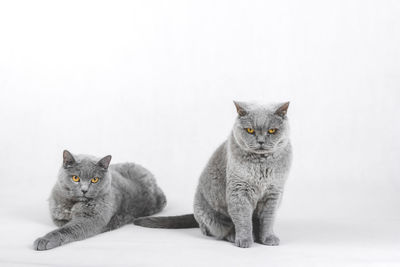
(244, 242)
(45, 243)
(271, 240)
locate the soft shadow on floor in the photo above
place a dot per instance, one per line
(340, 231)
(320, 233)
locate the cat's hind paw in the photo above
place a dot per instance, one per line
(230, 237)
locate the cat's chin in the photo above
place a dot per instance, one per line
(83, 198)
(258, 151)
(262, 151)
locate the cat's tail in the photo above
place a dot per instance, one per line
(169, 222)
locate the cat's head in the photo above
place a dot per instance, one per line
(83, 176)
(261, 129)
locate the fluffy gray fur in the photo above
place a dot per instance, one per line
(241, 187)
(83, 209)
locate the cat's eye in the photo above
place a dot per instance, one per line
(272, 131)
(75, 178)
(250, 130)
(95, 180)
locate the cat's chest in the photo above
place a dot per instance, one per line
(61, 210)
(259, 175)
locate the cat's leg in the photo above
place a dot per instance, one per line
(241, 210)
(203, 228)
(59, 223)
(241, 204)
(77, 229)
(265, 214)
(81, 226)
(211, 222)
(214, 224)
(60, 212)
(117, 221)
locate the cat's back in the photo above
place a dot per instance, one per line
(212, 181)
(131, 173)
(216, 166)
(133, 178)
(137, 189)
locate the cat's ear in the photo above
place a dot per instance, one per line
(241, 108)
(68, 159)
(282, 110)
(104, 162)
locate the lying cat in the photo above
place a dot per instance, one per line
(240, 189)
(91, 197)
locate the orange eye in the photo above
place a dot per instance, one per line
(250, 130)
(272, 131)
(95, 180)
(75, 178)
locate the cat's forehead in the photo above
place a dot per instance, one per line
(81, 167)
(85, 163)
(260, 118)
(261, 111)
(260, 114)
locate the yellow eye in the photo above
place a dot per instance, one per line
(250, 130)
(272, 131)
(95, 180)
(75, 178)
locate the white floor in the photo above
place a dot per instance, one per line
(153, 82)
(303, 243)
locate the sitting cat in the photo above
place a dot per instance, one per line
(91, 197)
(240, 189)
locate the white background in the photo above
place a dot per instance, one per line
(153, 82)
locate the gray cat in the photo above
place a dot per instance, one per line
(241, 187)
(91, 197)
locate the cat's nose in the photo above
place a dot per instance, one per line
(84, 191)
(260, 140)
